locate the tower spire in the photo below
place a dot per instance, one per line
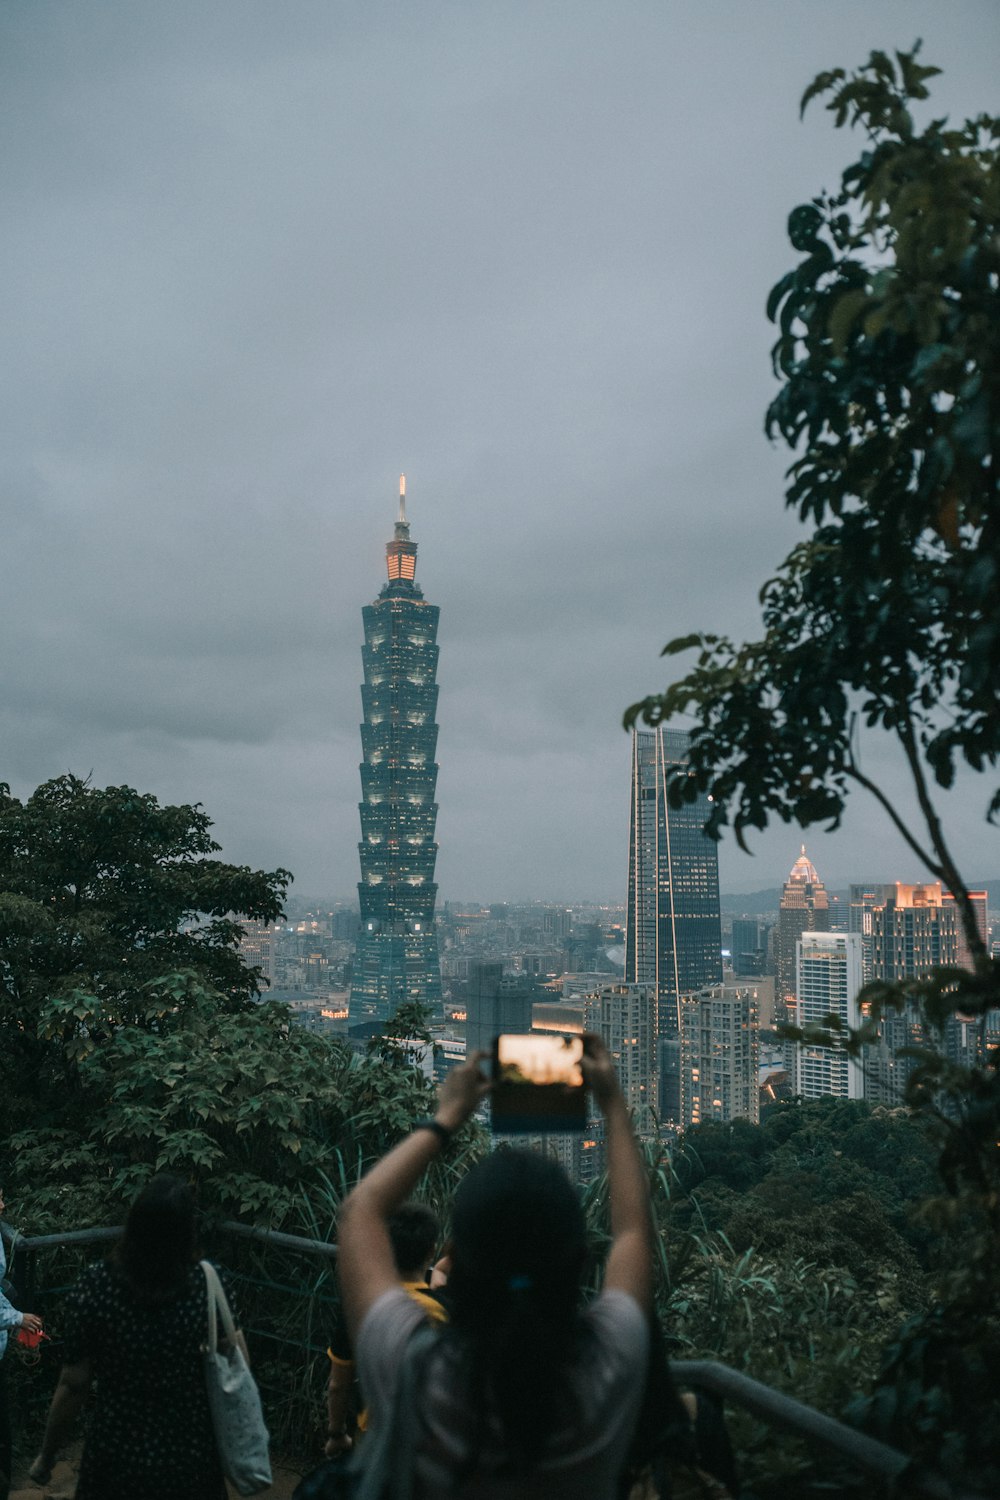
(401, 552)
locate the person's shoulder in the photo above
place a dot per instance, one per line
(100, 1275)
(98, 1284)
(433, 1306)
(613, 1350)
(196, 1283)
(197, 1271)
(616, 1316)
(391, 1318)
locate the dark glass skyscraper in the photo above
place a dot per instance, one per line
(397, 953)
(673, 935)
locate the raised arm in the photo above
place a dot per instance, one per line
(365, 1263)
(630, 1260)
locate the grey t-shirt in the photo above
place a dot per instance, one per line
(583, 1462)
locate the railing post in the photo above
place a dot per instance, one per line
(30, 1282)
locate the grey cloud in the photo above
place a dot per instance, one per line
(260, 258)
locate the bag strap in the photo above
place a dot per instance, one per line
(217, 1304)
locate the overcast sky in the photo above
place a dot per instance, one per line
(258, 258)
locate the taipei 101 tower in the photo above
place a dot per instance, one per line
(397, 953)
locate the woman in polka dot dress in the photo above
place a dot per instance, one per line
(135, 1326)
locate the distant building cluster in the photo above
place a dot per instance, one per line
(686, 1002)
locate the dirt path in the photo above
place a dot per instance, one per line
(63, 1483)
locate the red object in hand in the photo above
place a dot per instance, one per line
(30, 1338)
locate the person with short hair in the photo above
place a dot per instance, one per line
(525, 1394)
(413, 1235)
(136, 1324)
(11, 1318)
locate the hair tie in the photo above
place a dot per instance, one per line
(520, 1284)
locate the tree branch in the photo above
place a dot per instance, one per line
(922, 854)
(948, 869)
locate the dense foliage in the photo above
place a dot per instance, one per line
(758, 1266)
(135, 1041)
(762, 1265)
(248, 1105)
(133, 1036)
(103, 892)
(825, 1180)
(887, 617)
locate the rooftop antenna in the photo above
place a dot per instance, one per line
(402, 497)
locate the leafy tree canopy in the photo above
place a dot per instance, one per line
(889, 613)
(888, 616)
(103, 892)
(134, 1040)
(776, 1186)
(256, 1110)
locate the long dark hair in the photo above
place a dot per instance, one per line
(519, 1242)
(158, 1247)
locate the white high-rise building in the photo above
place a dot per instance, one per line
(625, 1017)
(719, 1054)
(828, 977)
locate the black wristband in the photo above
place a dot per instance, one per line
(442, 1132)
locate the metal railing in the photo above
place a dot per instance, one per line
(865, 1454)
(28, 1247)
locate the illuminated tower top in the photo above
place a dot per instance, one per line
(803, 872)
(401, 553)
(804, 907)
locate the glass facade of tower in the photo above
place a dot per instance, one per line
(673, 937)
(397, 953)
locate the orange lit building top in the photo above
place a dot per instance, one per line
(401, 553)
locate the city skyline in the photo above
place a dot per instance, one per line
(258, 261)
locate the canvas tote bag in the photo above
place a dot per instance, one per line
(233, 1398)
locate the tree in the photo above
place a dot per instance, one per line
(778, 1183)
(133, 1037)
(888, 613)
(103, 892)
(250, 1106)
(888, 616)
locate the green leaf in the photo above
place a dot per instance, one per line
(843, 317)
(821, 84)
